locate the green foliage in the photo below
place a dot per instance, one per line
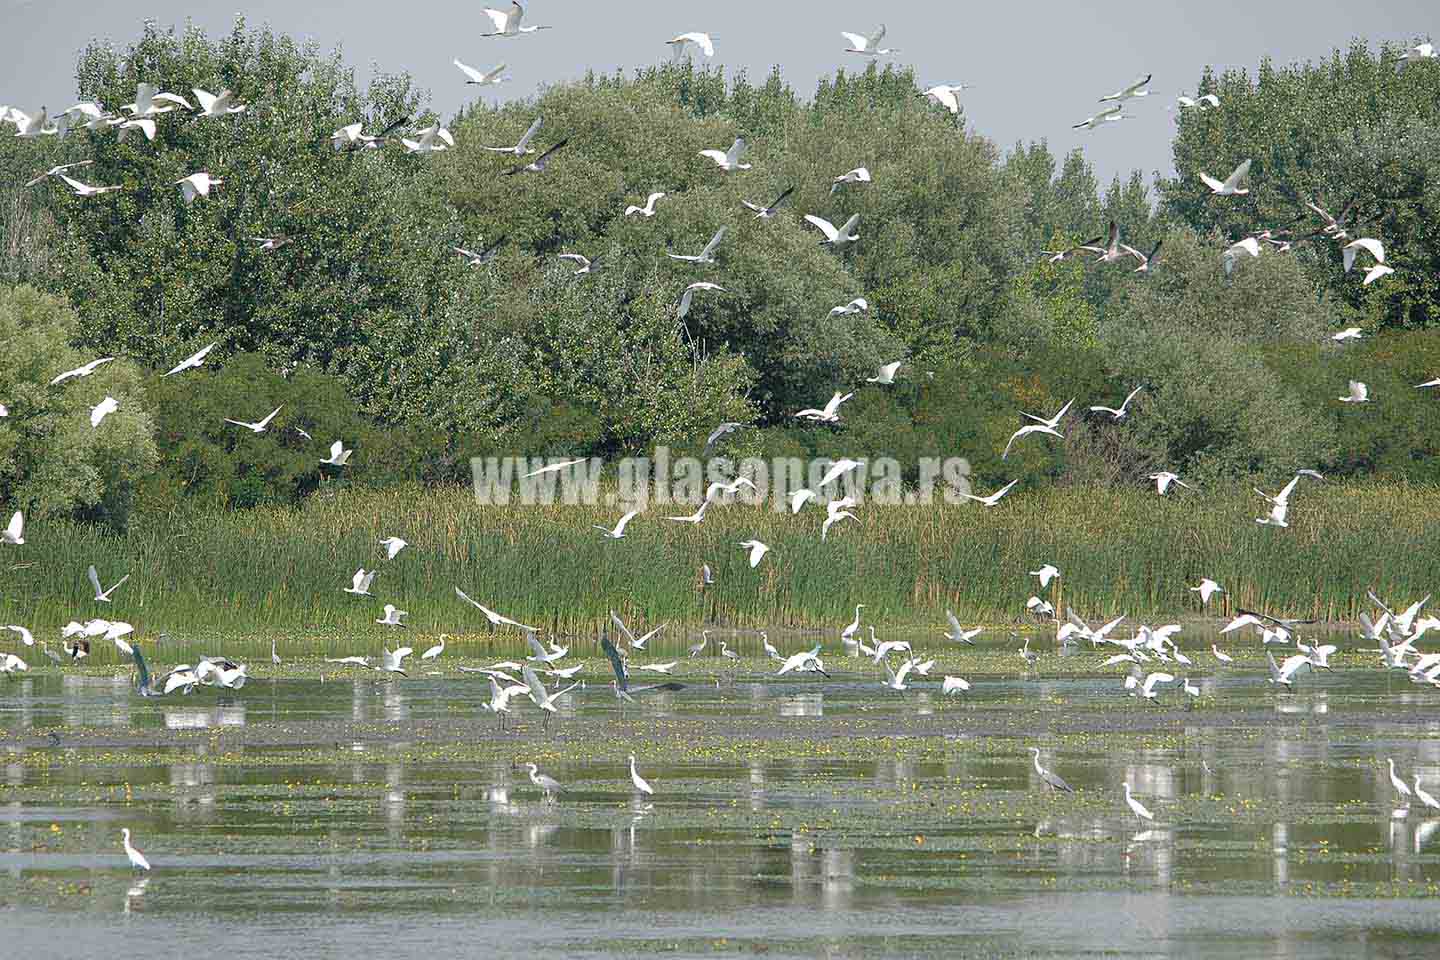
(52, 461)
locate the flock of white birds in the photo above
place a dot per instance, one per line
(1395, 634)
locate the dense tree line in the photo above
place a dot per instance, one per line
(373, 328)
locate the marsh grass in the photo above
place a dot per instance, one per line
(279, 572)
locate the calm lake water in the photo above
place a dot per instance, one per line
(355, 816)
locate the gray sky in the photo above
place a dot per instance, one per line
(1037, 67)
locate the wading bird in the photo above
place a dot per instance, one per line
(959, 634)
(1136, 807)
(640, 782)
(137, 859)
(946, 95)
(829, 414)
(360, 583)
(192, 362)
(260, 425)
(102, 410)
(1053, 779)
(548, 785)
(1207, 589)
(1119, 413)
(495, 619)
(757, 551)
(198, 185)
(701, 41)
(868, 46)
(618, 532)
(886, 374)
(993, 498)
(82, 371)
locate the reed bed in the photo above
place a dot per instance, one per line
(279, 572)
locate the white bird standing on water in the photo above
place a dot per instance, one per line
(1400, 786)
(705, 256)
(639, 781)
(137, 859)
(260, 425)
(757, 551)
(1118, 414)
(618, 533)
(848, 634)
(1221, 655)
(837, 238)
(1136, 807)
(1231, 186)
(103, 596)
(102, 410)
(648, 210)
(508, 23)
(1424, 796)
(483, 78)
(14, 532)
(867, 46)
(728, 160)
(703, 41)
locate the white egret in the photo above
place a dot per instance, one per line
(220, 104)
(1231, 186)
(1136, 89)
(703, 41)
(390, 660)
(618, 532)
(858, 175)
(839, 468)
(392, 616)
(260, 425)
(767, 212)
(102, 410)
(84, 189)
(639, 781)
(584, 263)
(10, 663)
(509, 23)
(191, 362)
(522, 147)
(1027, 430)
(1424, 796)
(858, 305)
(55, 171)
(1136, 807)
(495, 619)
(1400, 786)
(848, 634)
(481, 78)
(727, 653)
(1041, 608)
(540, 163)
(1276, 517)
(707, 255)
(959, 634)
(81, 371)
(393, 546)
(895, 679)
(886, 374)
(833, 515)
(695, 517)
(1373, 247)
(769, 647)
(659, 667)
(29, 127)
(479, 258)
(687, 297)
(648, 210)
(1207, 589)
(1209, 101)
(830, 413)
(954, 685)
(103, 596)
(1349, 333)
(1119, 413)
(800, 661)
(728, 160)
(360, 583)
(1164, 479)
(541, 698)
(868, 46)
(339, 456)
(993, 498)
(1046, 573)
(1359, 393)
(14, 532)
(1220, 655)
(1108, 115)
(432, 139)
(147, 95)
(837, 238)
(549, 785)
(799, 498)
(137, 859)
(946, 95)
(197, 185)
(25, 636)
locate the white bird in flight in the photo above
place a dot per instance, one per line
(393, 545)
(886, 375)
(1164, 479)
(858, 175)
(1207, 589)
(728, 160)
(839, 239)
(757, 551)
(618, 533)
(495, 619)
(830, 413)
(84, 189)
(1120, 412)
(1209, 101)
(392, 616)
(82, 371)
(522, 147)
(509, 23)
(1136, 89)
(1359, 393)
(14, 532)
(1108, 115)
(584, 263)
(648, 210)
(705, 256)
(197, 185)
(765, 213)
(858, 305)
(191, 362)
(390, 659)
(360, 583)
(946, 95)
(101, 595)
(220, 104)
(481, 78)
(260, 425)
(1025, 431)
(102, 410)
(688, 296)
(1231, 187)
(994, 498)
(703, 41)
(868, 46)
(1046, 573)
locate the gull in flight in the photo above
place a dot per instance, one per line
(728, 160)
(1120, 413)
(14, 532)
(886, 375)
(1359, 393)
(858, 175)
(482, 79)
(1108, 115)
(1046, 573)
(994, 498)
(840, 238)
(1231, 187)
(1164, 479)
(705, 256)
(197, 185)
(703, 41)
(103, 596)
(946, 95)
(392, 616)
(1136, 89)
(539, 164)
(393, 545)
(765, 213)
(523, 146)
(586, 265)
(757, 551)
(84, 371)
(618, 533)
(508, 22)
(481, 257)
(648, 210)
(858, 305)
(57, 170)
(1136, 807)
(688, 297)
(831, 411)
(1207, 589)
(959, 634)
(102, 410)
(867, 46)
(494, 618)
(360, 583)
(217, 105)
(259, 426)
(191, 362)
(84, 189)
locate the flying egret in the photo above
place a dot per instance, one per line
(1359, 393)
(1041, 608)
(85, 189)
(830, 413)
(1164, 479)
(54, 171)
(703, 41)
(639, 781)
(509, 23)
(959, 634)
(393, 546)
(618, 533)
(834, 513)
(540, 163)
(728, 160)
(29, 127)
(1120, 413)
(197, 185)
(1136, 807)
(360, 583)
(799, 498)
(137, 859)
(1400, 786)
(539, 654)
(858, 175)
(886, 374)
(705, 256)
(14, 532)
(1276, 517)
(946, 95)
(102, 410)
(1026, 430)
(1375, 248)
(767, 212)
(728, 426)
(1108, 115)
(339, 456)
(954, 685)
(81, 371)
(695, 517)
(895, 679)
(480, 78)
(837, 238)
(1231, 186)
(659, 667)
(392, 616)
(1207, 589)
(1046, 573)
(858, 305)
(194, 361)
(25, 636)
(541, 698)
(867, 46)
(220, 104)
(495, 619)
(648, 210)
(11, 664)
(103, 596)
(1349, 333)
(522, 147)
(1136, 89)
(993, 498)
(549, 785)
(479, 258)
(584, 263)
(1209, 101)
(798, 662)
(688, 296)
(839, 468)
(260, 425)
(1053, 779)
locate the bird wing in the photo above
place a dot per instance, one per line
(616, 663)
(533, 686)
(551, 152)
(785, 195)
(140, 666)
(1239, 173)
(718, 156)
(529, 134)
(850, 225)
(1215, 185)
(855, 40)
(94, 579)
(500, 18)
(475, 75)
(714, 243)
(576, 257)
(826, 227)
